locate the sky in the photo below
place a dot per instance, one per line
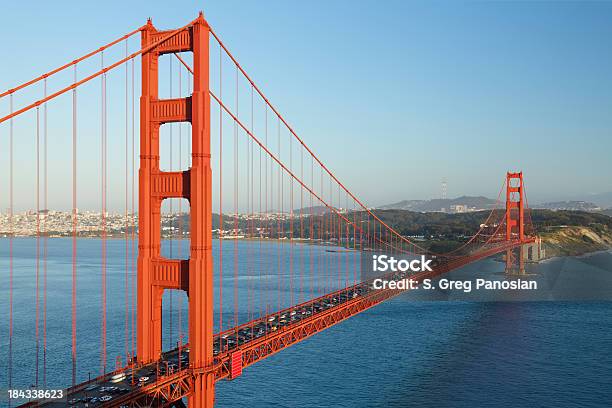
(392, 96)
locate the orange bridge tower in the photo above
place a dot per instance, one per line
(155, 273)
(515, 220)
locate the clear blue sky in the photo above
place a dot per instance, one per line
(393, 95)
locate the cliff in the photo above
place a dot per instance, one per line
(576, 240)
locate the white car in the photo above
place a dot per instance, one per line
(117, 377)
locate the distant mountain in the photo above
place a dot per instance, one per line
(460, 204)
(603, 200)
(314, 210)
(410, 205)
(569, 205)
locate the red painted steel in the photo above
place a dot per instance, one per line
(96, 74)
(68, 65)
(515, 218)
(235, 364)
(155, 274)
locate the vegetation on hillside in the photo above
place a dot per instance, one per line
(565, 232)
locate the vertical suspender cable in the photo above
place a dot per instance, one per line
(342, 232)
(247, 227)
(268, 230)
(291, 284)
(260, 236)
(278, 224)
(252, 201)
(171, 240)
(45, 248)
(37, 240)
(274, 203)
(74, 224)
(180, 210)
(103, 190)
(360, 237)
(322, 235)
(330, 225)
(311, 230)
(126, 221)
(220, 194)
(250, 209)
(133, 215)
(329, 232)
(301, 299)
(236, 209)
(272, 221)
(323, 256)
(250, 283)
(346, 253)
(10, 347)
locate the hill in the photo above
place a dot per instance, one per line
(442, 205)
(569, 205)
(563, 232)
(603, 200)
(607, 212)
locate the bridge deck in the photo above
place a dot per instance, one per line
(167, 381)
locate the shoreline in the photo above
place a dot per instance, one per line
(570, 253)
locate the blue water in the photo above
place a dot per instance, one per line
(403, 353)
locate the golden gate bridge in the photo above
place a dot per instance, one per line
(236, 154)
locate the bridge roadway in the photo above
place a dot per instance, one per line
(167, 381)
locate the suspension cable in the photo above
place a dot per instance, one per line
(126, 217)
(279, 162)
(171, 239)
(74, 226)
(45, 236)
(12, 233)
(37, 241)
(10, 349)
(133, 214)
(70, 64)
(103, 190)
(220, 190)
(96, 74)
(281, 118)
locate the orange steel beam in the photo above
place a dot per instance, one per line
(201, 261)
(155, 273)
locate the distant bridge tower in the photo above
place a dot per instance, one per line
(155, 273)
(515, 218)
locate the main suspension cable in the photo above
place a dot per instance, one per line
(70, 64)
(96, 74)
